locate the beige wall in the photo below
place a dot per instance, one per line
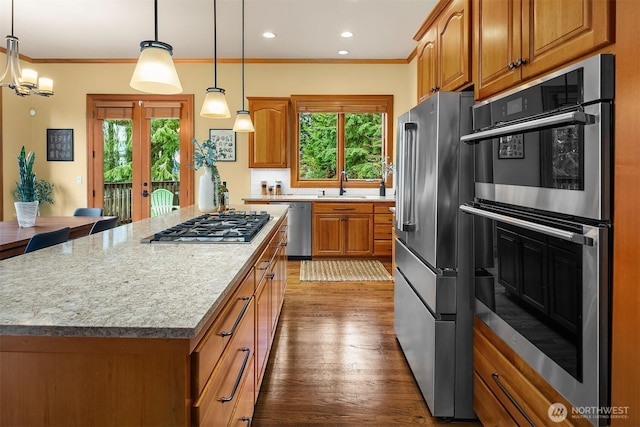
(72, 82)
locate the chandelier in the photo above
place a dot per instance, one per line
(243, 119)
(22, 82)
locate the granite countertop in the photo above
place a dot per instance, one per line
(319, 198)
(112, 285)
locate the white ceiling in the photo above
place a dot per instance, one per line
(306, 29)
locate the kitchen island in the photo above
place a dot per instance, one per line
(106, 330)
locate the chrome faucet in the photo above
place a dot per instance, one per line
(343, 174)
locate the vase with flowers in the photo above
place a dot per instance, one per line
(205, 156)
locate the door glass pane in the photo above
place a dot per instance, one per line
(363, 145)
(318, 145)
(165, 163)
(117, 168)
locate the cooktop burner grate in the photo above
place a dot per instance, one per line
(222, 227)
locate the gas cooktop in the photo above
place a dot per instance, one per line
(221, 227)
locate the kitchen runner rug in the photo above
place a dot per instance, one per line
(343, 271)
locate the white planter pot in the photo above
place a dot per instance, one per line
(208, 198)
(26, 212)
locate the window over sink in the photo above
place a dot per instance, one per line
(332, 133)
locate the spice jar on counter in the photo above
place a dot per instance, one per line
(278, 188)
(263, 188)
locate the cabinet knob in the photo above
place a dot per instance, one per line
(520, 62)
(511, 65)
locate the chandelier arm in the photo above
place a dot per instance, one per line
(243, 55)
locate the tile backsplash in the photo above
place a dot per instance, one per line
(283, 175)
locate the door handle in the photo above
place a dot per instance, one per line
(145, 193)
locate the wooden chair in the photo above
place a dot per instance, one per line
(161, 202)
(49, 238)
(88, 212)
(104, 224)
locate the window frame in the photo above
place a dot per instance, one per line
(340, 104)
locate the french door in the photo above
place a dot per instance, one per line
(137, 144)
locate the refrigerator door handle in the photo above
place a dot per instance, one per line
(405, 210)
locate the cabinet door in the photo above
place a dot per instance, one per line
(427, 64)
(328, 235)
(262, 328)
(555, 32)
(268, 145)
(497, 26)
(453, 46)
(358, 235)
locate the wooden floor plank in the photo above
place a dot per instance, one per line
(336, 362)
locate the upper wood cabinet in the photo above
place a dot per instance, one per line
(268, 145)
(443, 52)
(515, 40)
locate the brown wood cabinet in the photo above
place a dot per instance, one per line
(382, 229)
(443, 52)
(271, 282)
(269, 144)
(506, 390)
(342, 229)
(516, 40)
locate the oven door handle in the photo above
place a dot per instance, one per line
(573, 117)
(549, 231)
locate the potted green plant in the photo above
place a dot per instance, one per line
(26, 196)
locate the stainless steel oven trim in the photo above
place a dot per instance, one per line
(581, 203)
(593, 391)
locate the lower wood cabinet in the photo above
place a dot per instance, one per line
(342, 229)
(383, 224)
(507, 391)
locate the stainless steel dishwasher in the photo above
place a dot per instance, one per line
(299, 245)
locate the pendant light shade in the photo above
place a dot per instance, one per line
(155, 71)
(243, 119)
(243, 122)
(215, 103)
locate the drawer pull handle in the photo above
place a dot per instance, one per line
(266, 267)
(240, 316)
(496, 378)
(240, 374)
(344, 209)
(271, 276)
(246, 420)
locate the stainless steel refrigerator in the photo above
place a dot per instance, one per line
(433, 301)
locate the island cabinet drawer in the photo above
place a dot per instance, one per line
(208, 351)
(383, 208)
(224, 389)
(342, 208)
(487, 407)
(382, 219)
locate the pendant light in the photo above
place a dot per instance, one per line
(22, 82)
(215, 104)
(243, 119)
(155, 71)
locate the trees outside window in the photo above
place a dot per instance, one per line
(332, 133)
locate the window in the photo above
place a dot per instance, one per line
(332, 133)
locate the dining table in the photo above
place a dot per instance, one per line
(14, 239)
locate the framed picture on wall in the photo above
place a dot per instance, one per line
(225, 142)
(59, 145)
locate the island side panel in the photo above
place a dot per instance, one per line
(94, 381)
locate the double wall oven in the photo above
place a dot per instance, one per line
(542, 225)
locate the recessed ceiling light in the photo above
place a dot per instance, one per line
(343, 52)
(268, 35)
(346, 34)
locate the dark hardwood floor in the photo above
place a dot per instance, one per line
(336, 362)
